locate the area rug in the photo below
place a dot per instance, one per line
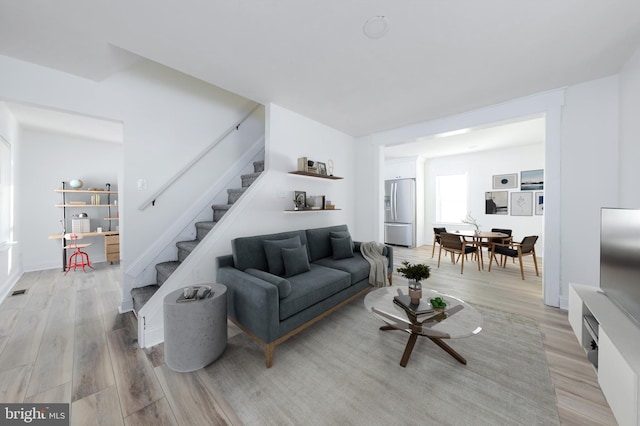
(344, 370)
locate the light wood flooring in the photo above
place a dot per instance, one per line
(64, 341)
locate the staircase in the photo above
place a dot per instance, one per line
(141, 295)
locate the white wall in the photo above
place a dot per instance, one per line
(291, 135)
(11, 255)
(548, 103)
(480, 168)
(51, 158)
(590, 162)
(262, 209)
(168, 119)
(630, 132)
(581, 161)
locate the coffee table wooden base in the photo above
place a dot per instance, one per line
(412, 342)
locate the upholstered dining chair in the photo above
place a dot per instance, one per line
(436, 238)
(456, 244)
(502, 240)
(527, 247)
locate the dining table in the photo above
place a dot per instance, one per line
(479, 237)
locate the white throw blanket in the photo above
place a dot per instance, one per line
(372, 252)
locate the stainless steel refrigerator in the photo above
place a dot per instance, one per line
(400, 212)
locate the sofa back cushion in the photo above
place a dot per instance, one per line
(319, 241)
(273, 251)
(248, 252)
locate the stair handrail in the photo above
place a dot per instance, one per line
(152, 200)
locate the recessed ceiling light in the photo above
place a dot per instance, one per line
(376, 27)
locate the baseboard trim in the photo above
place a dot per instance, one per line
(11, 281)
(125, 306)
(152, 337)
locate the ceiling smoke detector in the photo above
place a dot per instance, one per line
(376, 27)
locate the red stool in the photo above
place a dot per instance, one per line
(78, 258)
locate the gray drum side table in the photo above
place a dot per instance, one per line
(195, 332)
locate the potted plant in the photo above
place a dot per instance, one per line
(415, 273)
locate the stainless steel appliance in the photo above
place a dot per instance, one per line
(400, 212)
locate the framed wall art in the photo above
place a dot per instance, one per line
(505, 181)
(521, 203)
(532, 180)
(496, 202)
(539, 202)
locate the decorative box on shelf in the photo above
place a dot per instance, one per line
(80, 226)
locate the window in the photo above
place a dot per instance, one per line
(451, 198)
(5, 191)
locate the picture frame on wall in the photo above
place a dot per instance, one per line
(539, 202)
(496, 202)
(505, 181)
(532, 180)
(522, 204)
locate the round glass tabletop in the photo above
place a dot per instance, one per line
(458, 320)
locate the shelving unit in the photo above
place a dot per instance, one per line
(311, 210)
(313, 175)
(316, 175)
(112, 237)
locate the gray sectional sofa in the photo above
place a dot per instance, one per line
(279, 284)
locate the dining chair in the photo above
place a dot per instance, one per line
(436, 238)
(456, 244)
(527, 247)
(499, 240)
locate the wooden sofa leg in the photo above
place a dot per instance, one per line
(390, 278)
(268, 354)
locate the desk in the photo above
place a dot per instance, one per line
(112, 242)
(478, 238)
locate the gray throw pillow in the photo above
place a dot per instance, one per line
(273, 251)
(295, 261)
(342, 234)
(342, 247)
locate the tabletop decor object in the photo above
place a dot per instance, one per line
(415, 273)
(438, 304)
(471, 221)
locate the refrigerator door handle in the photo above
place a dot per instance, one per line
(394, 213)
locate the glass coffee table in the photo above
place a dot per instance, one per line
(458, 320)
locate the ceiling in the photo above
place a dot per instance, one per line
(81, 126)
(526, 131)
(437, 58)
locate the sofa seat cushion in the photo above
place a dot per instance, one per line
(312, 287)
(356, 266)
